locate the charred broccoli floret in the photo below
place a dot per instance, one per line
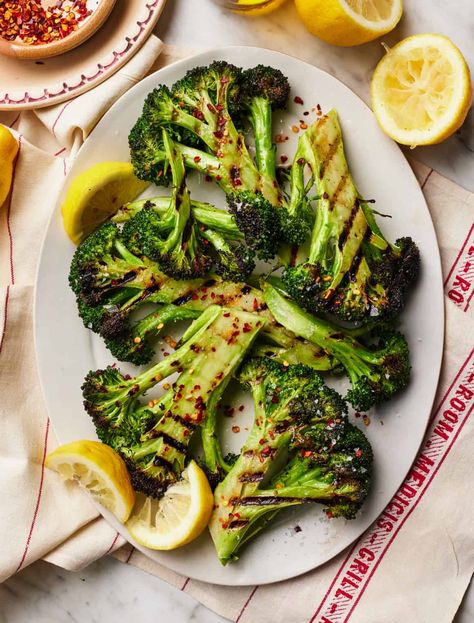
(327, 459)
(377, 371)
(110, 282)
(153, 438)
(174, 241)
(351, 270)
(203, 103)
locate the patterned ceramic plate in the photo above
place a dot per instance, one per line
(34, 84)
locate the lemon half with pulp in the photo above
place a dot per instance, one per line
(100, 470)
(178, 517)
(96, 194)
(349, 22)
(421, 90)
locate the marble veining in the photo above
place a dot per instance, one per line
(111, 591)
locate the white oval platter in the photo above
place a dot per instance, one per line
(66, 351)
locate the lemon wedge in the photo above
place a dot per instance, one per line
(96, 194)
(421, 90)
(8, 152)
(100, 470)
(178, 517)
(349, 22)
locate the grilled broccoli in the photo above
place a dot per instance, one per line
(302, 421)
(110, 282)
(205, 103)
(180, 250)
(153, 438)
(351, 270)
(265, 89)
(376, 372)
(135, 342)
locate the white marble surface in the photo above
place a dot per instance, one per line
(108, 590)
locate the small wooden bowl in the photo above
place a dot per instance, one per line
(86, 29)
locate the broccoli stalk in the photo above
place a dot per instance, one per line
(204, 214)
(328, 460)
(351, 270)
(153, 439)
(179, 250)
(376, 372)
(274, 341)
(265, 89)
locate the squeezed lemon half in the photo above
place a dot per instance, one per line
(421, 90)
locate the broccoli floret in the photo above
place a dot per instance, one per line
(377, 372)
(231, 262)
(257, 220)
(110, 282)
(301, 421)
(153, 438)
(204, 104)
(351, 270)
(135, 343)
(264, 89)
(174, 240)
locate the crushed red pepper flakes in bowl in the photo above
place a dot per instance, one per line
(31, 23)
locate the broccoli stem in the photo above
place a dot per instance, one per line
(165, 315)
(320, 332)
(261, 119)
(195, 395)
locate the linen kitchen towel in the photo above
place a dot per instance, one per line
(39, 513)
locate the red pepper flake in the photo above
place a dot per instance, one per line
(197, 158)
(298, 100)
(211, 108)
(236, 429)
(246, 328)
(255, 305)
(241, 408)
(229, 411)
(366, 420)
(219, 107)
(208, 178)
(306, 113)
(280, 138)
(283, 158)
(226, 315)
(358, 453)
(319, 111)
(219, 134)
(198, 115)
